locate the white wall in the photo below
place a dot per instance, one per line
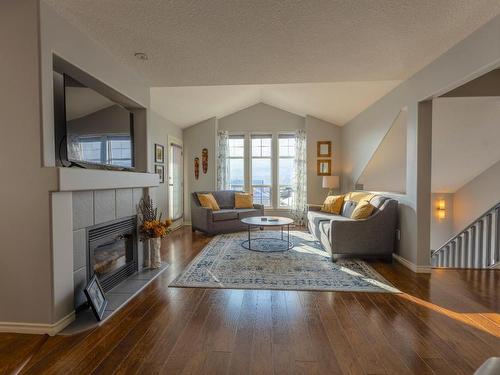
(465, 140)
(441, 229)
(475, 55)
(319, 130)
(475, 197)
(196, 138)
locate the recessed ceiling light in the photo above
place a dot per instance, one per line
(141, 55)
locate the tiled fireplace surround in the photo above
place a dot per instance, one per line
(91, 208)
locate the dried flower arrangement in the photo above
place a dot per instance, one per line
(152, 226)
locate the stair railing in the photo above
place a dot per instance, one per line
(477, 246)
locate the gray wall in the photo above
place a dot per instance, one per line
(66, 41)
(261, 118)
(93, 123)
(25, 279)
(319, 130)
(31, 31)
(470, 58)
(475, 197)
(196, 138)
(159, 131)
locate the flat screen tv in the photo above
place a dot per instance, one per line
(92, 131)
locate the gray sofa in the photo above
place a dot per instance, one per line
(342, 236)
(227, 219)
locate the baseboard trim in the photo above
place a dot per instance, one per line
(37, 328)
(412, 266)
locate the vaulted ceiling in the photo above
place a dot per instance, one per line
(327, 58)
(335, 102)
(220, 42)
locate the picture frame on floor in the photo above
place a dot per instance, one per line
(96, 297)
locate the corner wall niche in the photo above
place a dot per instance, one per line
(88, 113)
(386, 170)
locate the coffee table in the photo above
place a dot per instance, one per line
(270, 221)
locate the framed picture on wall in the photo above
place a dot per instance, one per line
(160, 170)
(324, 149)
(159, 153)
(324, 167)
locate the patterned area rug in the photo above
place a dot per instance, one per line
(224, 263)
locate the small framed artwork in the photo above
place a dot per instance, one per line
(324, 167)
(324, 149)
(159, 153)
(95, 297)
(160, 171)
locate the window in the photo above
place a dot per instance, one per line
(91, 149)
(237, 162)
(115, 150)
(261, 169)
(120, 151)
(286, 169)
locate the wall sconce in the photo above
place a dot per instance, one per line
(441, 209)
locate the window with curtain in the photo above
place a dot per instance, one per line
(262, 169)
(286, 169)
(236, 162)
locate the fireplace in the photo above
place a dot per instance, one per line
(113, 251)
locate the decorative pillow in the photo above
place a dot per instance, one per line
(208, 201)
(363, 210)
(333, 204)
(358, 196)
(243, 200)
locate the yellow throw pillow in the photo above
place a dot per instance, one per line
(243, 200)
(358, 196)
(333, 204)
(208, 201)
(363, 210)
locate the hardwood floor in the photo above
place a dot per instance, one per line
(445, 323)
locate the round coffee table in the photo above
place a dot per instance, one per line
(268, 221)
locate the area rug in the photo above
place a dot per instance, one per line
(224, 263)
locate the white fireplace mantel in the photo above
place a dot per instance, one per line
(76, 179)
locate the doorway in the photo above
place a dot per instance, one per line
(175, 182)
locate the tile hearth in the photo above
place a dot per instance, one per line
(117, 298)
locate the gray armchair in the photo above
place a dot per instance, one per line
(342, 236)
(227, 219)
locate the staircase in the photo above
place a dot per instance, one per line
(477, 246)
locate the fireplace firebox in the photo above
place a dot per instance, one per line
(113, 251)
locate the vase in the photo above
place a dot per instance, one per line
(154, 252)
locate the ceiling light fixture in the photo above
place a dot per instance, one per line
(141, 55)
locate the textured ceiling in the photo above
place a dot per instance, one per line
(215, 42)
(465, 134)
(336, 102)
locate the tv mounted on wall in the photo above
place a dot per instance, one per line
(91, 131)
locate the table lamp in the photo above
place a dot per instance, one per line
(331, 182)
